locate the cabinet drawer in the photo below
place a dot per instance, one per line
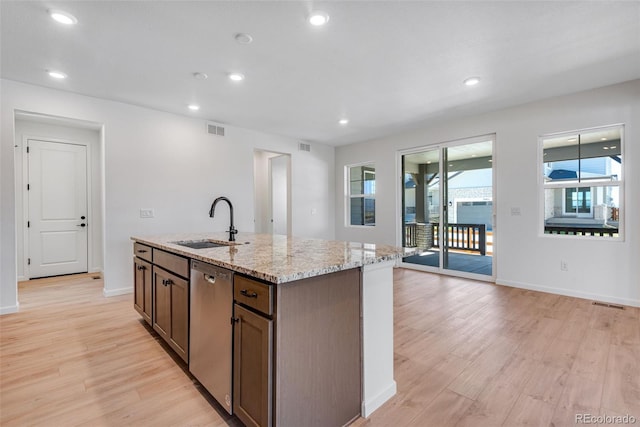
(253, 294)
(142, 251)
(173, 263)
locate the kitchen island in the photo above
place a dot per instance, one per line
(327, 313)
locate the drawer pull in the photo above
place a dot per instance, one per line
(141, 251)
(249, 294)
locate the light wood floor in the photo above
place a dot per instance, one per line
(467, 354)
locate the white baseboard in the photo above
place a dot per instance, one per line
(377, 401)
(570, 293)
(114, 292)
(10, 309)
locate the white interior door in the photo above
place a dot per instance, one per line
(57, 200)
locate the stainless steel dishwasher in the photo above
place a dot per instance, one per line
(211, 330)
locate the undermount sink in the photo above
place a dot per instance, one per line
(203, 244)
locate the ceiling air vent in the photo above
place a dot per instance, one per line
(304, 147)
(215, 129)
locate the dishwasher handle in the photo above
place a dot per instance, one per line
(210, 278)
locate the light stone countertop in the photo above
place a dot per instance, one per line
(277, 258)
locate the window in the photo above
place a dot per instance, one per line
(361, 194)
(582, 180)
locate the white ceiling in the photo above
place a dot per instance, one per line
(385, 65)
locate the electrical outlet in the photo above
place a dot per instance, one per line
(146, 213)
(564, 265)
(515, 211)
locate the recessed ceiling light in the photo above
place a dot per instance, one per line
(194, 107)
(63, 17)
(603, 139)
(572, 139)
(605, 148)
(472, 81)
(343, 121)
(200, 76)
(613, 146)
(318, 18)
(236, 77)
(243, 38)
(57, 74)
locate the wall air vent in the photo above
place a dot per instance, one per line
(215, 129)
(304, 147)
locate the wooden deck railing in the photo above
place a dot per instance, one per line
(469, 237)
(410, 235)
(580, 231)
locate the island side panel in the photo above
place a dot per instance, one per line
(318, 360)
(378, 384)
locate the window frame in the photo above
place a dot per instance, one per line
(364, 196)
(578, 182)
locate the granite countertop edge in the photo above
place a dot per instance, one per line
(250, 243)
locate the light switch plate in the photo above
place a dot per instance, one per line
(146, 213)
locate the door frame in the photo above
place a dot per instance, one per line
(440, 146)
(260, 209)
(25, 198)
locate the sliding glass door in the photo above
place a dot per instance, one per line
(447, 207)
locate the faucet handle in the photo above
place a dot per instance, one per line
(232, 234)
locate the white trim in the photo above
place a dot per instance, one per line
(448, 272)
(10, 309)
(570, 293)
(115, 292)
(370, 405)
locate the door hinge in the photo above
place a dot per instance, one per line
(27, 149)
(28, 224)
(28, 187)
(28, 261)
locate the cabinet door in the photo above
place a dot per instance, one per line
(171, 310)
(161, 303)
(252, 368)
(142, 288)
(179, 337)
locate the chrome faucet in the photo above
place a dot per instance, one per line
(232, 231)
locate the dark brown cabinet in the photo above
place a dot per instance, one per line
(252, 376)
(142, 288)
(171, 310)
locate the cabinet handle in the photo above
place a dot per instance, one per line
(167, 282)
(142, 267)
(249, 294)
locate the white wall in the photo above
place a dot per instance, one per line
(165, 162)
(29, 127)
(598, 269)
